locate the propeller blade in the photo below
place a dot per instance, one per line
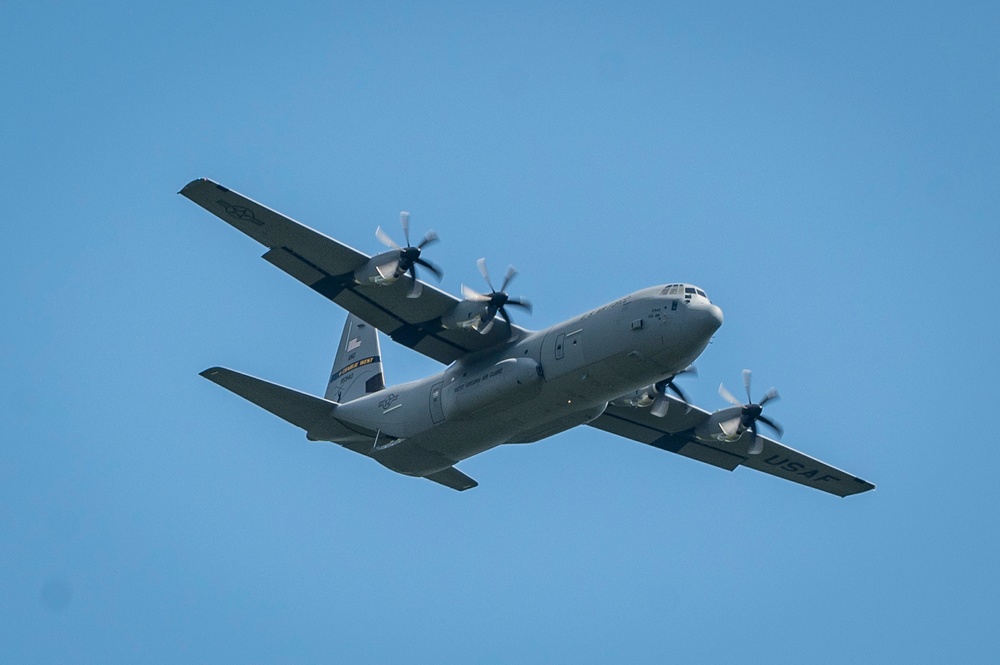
(506, 317)
(756, 447)
(690, 369)
(508, 278)
(431, 266)
(485, 273)
(404, 219)
(678, 392)
(487, 320)
(471, 294)
(728, 396)
(746, 384)
(384, 238)
(520, 302)
(489, 326)
(730, 426)
(387, 270)
(417, 289)
(773, 425)
(660, 406)
(428, 239)
(771, 394)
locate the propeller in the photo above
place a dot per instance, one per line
(497, 301)
(661, 403)
(750, 414)
(408, 258)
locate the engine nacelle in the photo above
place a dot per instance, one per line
(382, 269)
(638, 398)
(711, 429)
(510, 381)
(466, 314)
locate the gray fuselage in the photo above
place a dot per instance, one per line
(541, 383)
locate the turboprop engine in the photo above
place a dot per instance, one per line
(507, 382)
(466, 314)
(656, 394)
(479, 310)
(386, 268)
(730, 424)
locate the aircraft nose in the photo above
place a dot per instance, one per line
(710, 316)
(716, 313)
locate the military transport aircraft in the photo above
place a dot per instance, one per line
(609, 368)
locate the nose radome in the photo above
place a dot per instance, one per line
(711, 316)
(717, 315)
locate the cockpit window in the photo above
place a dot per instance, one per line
(682, 290)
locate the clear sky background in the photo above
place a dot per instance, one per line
(827, 172)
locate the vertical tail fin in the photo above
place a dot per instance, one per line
(357, 370)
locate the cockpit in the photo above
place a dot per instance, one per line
(686, 291)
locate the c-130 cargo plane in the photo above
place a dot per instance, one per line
(609, 368)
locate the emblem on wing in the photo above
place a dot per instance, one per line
(241, 213)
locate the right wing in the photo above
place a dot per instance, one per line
(327, 266)
(674, 433)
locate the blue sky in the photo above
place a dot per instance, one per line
(828, 173)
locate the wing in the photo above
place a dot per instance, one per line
(327, 266)
(673, 432)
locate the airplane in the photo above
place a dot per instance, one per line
(612, 368)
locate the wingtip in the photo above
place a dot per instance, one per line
(191, 185)
(197, 182)
(865, 487)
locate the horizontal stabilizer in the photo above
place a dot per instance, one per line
(453, 478)
(299, 409)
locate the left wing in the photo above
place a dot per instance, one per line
(327, 266)
(674, 432)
